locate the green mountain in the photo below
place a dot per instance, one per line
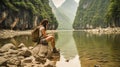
(91, 14)
(65, 14)
(62, 19)
(69, 8)
(113, 14)
(25, 14)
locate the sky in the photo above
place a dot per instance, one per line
(59, 2)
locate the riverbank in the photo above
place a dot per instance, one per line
(21, 56)
(11, 33)
(104, 30)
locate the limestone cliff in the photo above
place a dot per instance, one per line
(25, 14)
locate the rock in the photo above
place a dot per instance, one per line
(23, 57)
(12, 61)
(24, 49)
(1, 54)
(20, 57)
(40, 50)
(21, 45)
(30, 48)
(67, 60)
(8, 46)
(25, 53)
(54, 57)
(27, 60)
(96, 65)
(2, 51)
(40, 60)
(3, 61)
(50, 63)
(11, 51)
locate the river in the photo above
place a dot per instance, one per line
(80, 49)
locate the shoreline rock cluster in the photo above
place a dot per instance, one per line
(104, 30)
(11, 33)
(22, 56)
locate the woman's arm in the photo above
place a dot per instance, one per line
(44, 32)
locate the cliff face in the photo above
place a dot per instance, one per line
(65, 14)
(69, 8)
(25, 14)
(91, 14)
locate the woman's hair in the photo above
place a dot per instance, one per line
(44, 22)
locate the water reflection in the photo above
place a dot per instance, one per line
(98, 50)
(26, 39)
(68, 63)
(69, 55)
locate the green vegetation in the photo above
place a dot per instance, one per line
(113, 14)
(94, 13)
(91, 14)
(26, 11)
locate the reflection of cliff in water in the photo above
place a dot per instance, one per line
(101, 50)
(69, 55)
(66, 44)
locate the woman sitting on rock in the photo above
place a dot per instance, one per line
(44, 37)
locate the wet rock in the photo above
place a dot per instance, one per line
(67, 60)
(50, 63)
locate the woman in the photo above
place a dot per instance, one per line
(44, 37)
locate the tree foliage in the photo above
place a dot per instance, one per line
(91, 14)
(113, 13)
(26, 10)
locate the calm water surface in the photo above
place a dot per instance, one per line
(80, 49)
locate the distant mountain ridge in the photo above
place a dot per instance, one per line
(69, 8)
(65, 13)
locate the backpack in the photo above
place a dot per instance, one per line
(35, 35)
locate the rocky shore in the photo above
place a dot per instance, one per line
(104, 30)
(22, 56)
(11, 33)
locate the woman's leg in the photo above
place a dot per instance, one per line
(52, 40)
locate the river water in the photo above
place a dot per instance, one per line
(80, 49)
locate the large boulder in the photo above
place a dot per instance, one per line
(8, 46)
(41, 50)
